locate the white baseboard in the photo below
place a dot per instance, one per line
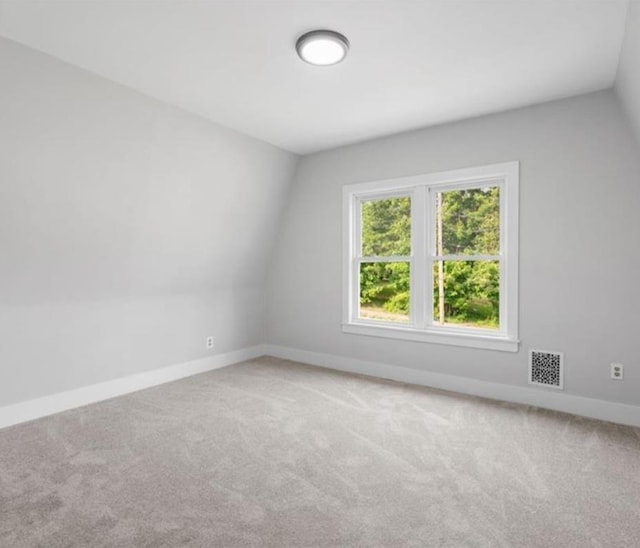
(559, 401)
(55, 403)
(578, 405)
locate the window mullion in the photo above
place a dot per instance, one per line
(385, 259)
(467, 257)
(429, 212)
(418, 249)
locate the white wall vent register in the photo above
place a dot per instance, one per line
(546, 368)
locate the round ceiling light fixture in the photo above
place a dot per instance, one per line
(322, 47)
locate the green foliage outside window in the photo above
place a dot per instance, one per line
(386, 232)
(470, 226)
(386, 227)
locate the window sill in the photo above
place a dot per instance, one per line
(436, 336)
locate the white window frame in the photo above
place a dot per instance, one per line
(422, 189)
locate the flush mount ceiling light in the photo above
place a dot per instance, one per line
(322, 47)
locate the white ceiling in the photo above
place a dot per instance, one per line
(412, 63)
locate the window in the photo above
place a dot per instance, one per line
(434, 258)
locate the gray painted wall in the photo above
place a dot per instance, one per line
(129, 230)
(579, 238)
(628, 77)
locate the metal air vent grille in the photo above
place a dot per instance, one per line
(546, 368)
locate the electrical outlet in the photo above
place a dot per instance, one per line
(209, 342)
(617, 371)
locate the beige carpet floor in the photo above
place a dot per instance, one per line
(273, 453)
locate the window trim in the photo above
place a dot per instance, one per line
(420, 187)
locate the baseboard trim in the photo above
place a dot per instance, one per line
(49, 405)
(578, 405)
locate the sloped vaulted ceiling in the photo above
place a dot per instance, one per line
(412, 64)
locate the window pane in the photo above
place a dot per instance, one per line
(468, 222)
(466, 293)
(384, 291)
(386, 227)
